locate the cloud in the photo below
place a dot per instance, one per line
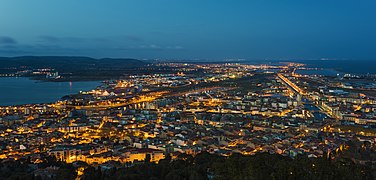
(134, 38)
(69, 39)
(13, 52)
(75, 39)
(51, 39)
(156, 47)
(7, 40)
(55, 39)
(174, 47)
(101, 40)
(38, 49)
(141, 47)
(150, 46)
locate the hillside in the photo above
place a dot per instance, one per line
(71, 67)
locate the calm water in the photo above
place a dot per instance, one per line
(331, 66)
(323, 72)
(345, 66)
(20, 90)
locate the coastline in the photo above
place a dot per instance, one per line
(25, 90)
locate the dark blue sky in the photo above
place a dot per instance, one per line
(202, 29)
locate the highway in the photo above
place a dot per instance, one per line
(291, 85)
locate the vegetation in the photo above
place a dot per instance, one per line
(24, 169)
(237, 166)
(202, 166)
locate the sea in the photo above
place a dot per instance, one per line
(23, 90)
(357, 67)
(328, 67)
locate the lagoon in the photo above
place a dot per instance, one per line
(22, 90)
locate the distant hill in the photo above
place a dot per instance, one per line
(69, 63)
(73, 67)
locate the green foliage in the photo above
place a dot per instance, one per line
(237, 166)
(21, 169)
(207, 166)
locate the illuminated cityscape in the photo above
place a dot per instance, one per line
(187, 90)
(221, 109)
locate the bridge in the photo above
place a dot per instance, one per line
(291, 85)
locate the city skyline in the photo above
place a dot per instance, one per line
(163, 89)
(189, 30)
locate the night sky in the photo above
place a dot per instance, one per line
(190, 29)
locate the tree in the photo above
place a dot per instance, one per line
(147, 158)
